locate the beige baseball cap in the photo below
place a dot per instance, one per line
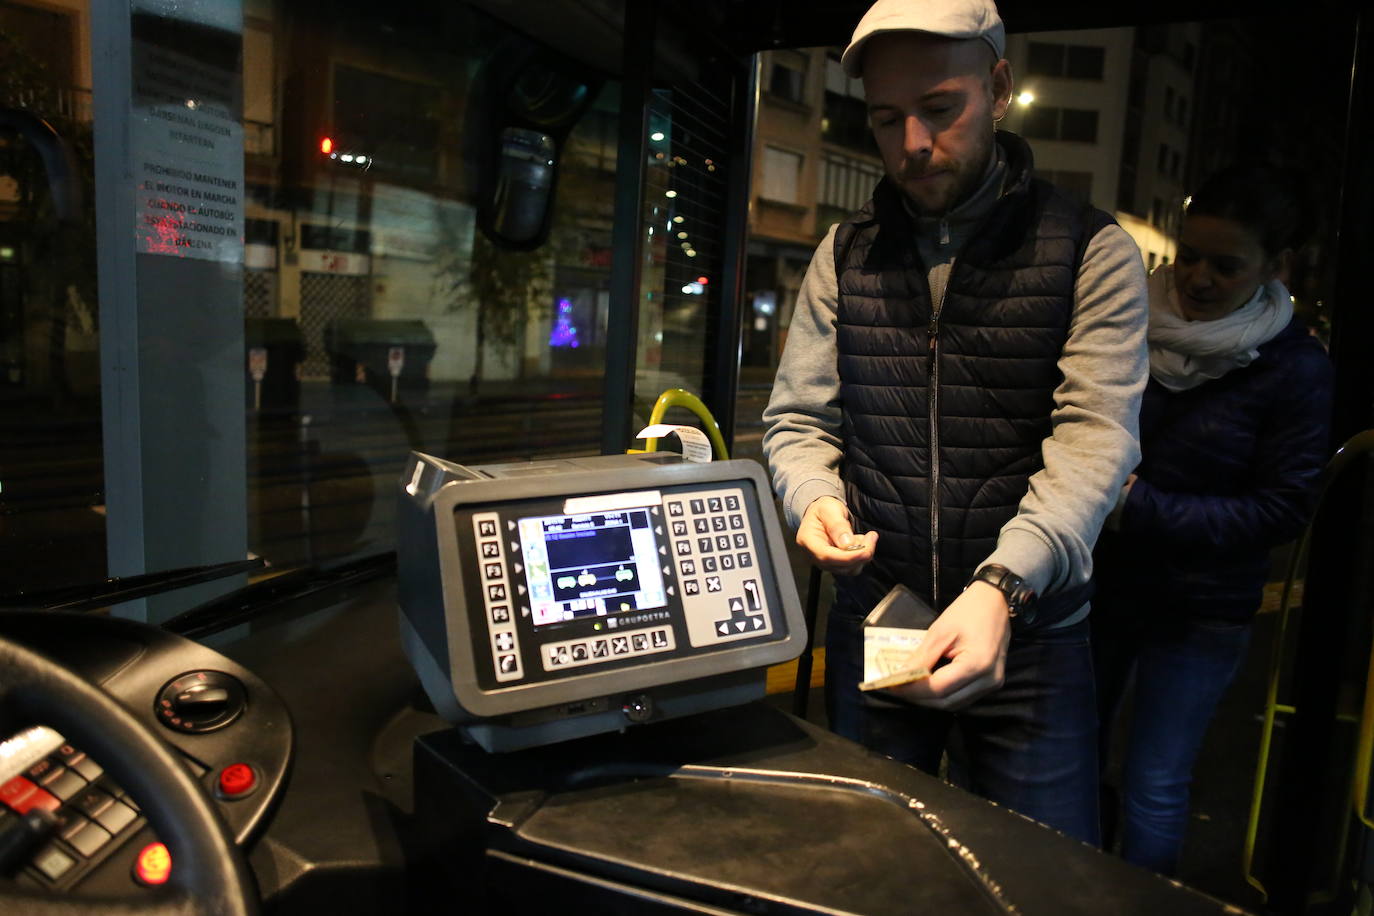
(946, 18)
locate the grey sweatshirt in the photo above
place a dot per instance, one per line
(1093, 444)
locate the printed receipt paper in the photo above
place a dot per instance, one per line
(890, 657)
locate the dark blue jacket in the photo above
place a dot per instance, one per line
(1228, 471)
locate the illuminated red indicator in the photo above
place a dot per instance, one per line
(703, 280)
(153, 865)
(326, 145)
(237, 779)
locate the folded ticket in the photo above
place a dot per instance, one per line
(890, 657)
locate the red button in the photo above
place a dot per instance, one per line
(23, 796)
(237, 779)
(153, 865)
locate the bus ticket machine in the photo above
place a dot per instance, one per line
(551, 600)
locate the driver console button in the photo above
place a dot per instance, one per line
(153, 865)
(22, 796)
(237, 780)
(88, 838)
(92, 802)
(65, 784)
(53, 863)
(116, 817)
(88, 769)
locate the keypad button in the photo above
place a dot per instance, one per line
(689, 568)
(691, 587)
(698, 507)
(727, 561)
(89, 840)
(68, 755)
(679, 529)
(705, 545)
(491, 550)
(116, 817)
(496, 592)
(43, 770)
(66, 784)
(675, 508)
(717, 523)
(732, 503)
(486, 528)
(53, 863)
(737, 522)
(708, 564)
(745, 560)
(702, 526)
(69, 821)
(92, 802)
(723, 542)
(715, 504)
(684, 548)
(741, 540)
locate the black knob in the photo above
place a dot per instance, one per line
(638, 708)
(200, 701)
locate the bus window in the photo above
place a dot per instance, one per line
(358, 230)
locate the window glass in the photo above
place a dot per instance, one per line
(787, 75)
(1084, 62)
(781, 173)
(1045, 59)
(1079, 125)
(344, 181)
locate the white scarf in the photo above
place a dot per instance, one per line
(1184, 354)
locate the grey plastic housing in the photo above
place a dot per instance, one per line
(437, 633)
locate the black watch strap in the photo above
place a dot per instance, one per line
(1020, 596)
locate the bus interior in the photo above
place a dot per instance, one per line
(338, 575)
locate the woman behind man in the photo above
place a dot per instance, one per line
(1234, 431)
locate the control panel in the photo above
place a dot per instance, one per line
(539, 587)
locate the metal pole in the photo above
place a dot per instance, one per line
(722, 384)
(627, 258)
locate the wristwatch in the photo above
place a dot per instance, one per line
(1020, 596)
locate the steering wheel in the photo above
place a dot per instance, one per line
(209, 873)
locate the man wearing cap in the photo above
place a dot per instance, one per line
(956, 411)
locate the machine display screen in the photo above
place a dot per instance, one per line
(566, 585)
(591, 565)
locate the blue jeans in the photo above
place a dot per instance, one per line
(1030, 745)
(1181, 667)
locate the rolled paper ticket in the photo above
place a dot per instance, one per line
(895, 679)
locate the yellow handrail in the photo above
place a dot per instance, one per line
(1358, 445)
(1271, 708)
(680, 397)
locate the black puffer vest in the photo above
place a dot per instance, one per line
(945, 409)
